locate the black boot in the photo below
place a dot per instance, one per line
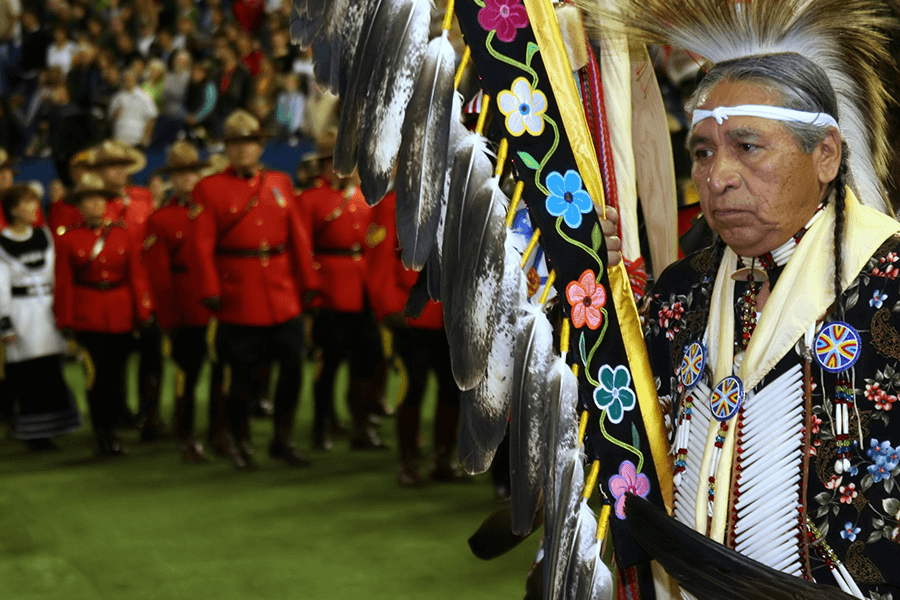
(407, 441)
(446, 427)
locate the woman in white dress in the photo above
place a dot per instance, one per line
(43, 406)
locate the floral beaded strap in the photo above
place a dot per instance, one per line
(518, 53)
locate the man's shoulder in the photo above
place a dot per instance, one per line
(693, 267)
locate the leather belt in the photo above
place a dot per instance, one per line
(338, 251)
(23, 291)
(99, 285)
(251, 252)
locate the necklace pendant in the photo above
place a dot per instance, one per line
(727, 398)
(837, 347)
(692, 365)
(754, 274)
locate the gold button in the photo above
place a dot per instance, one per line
(179, 234)
(121, 250)
(356, 226)
(352, 208)
(355, 247)
(104, 274)
(234, 209)
(259, 222)
(81, 253)
(60, 230)
(102, 259)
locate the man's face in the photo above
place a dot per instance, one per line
(757, 187)
(92, 208)
(184, 181)
(244, 154)
(115, 177)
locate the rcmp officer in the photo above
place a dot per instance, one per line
(173, 282)
(343, 325)
(422, 345)
(254, 261)
(101, 295)
(115, 162)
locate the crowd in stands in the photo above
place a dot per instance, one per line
(145, 72)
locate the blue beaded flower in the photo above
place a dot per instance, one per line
(567, 197)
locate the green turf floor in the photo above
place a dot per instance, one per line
(148, 526)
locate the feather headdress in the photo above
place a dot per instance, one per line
(844, 37)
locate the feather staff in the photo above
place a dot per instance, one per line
(369, 53)
(563, 479)
(477, 283)
(326, 52)
(527, 443)
(587, 577)
(710, 570)
(425, 153)
(390, 93)
(305, 28)
(484, 410)
(435, 259)
(471, 167)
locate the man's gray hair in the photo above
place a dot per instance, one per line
(797, 82)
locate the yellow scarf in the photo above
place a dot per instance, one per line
(803, 294)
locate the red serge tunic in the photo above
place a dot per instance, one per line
(167, 257)
(101, 285)
(133, 209)
(252, 248)
(339, 223)
(391, 282)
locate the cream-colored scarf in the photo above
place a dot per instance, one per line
(803, 294)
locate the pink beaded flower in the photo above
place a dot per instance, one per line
(628, 480)
(503, 16)
(586, 297)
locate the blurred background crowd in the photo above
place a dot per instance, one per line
(110, 113)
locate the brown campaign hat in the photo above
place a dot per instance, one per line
(242, 126)
(89, 184)
(183, 156)
(110, 153)
(5, 161)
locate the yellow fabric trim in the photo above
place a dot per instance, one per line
(803, 296)
(553, 53)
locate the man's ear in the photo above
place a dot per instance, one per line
(828, 157)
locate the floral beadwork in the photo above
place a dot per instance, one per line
(523, 107)
(614, 395)
(628, 480)
(586, 297)
(505, 17)
(567, 198)
(877, 299)
(850, 532)
(887, 266)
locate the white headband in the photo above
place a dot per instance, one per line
(765, 111)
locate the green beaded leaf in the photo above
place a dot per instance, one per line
(529, 160)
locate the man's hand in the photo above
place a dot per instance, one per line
(213, 303)
(609, 226)
(10, 339)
